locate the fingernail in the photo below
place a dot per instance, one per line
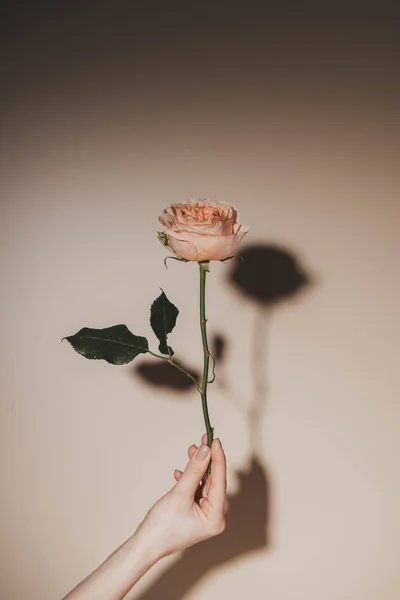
(202, 452)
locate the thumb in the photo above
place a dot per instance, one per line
(194, 472)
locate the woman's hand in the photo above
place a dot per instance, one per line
(194, 509)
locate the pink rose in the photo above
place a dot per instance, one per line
(200, 230)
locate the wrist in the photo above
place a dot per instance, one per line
(145, 544)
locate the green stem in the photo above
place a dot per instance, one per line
(203, 326)
(174, 364)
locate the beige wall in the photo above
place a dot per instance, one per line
(299, 129)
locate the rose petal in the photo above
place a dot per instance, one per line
(183, 248)
(202, 230)
(226, 227)
(166, 219)
(211, 247)
(218, 249)
(202, 213)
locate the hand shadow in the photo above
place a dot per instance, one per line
(246, 531)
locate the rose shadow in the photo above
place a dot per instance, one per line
(265, 275)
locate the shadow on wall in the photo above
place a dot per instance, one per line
(266, 275)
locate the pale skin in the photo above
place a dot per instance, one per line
(193, 510)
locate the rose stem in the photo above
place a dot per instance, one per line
(204, 267)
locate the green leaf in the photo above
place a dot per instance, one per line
(163, 316)
(117, 345)
(164, 239)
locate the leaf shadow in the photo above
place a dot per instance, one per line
(164, 375)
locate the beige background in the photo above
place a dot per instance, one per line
(298, 129)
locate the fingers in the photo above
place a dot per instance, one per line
(191, 450)
(190, 479)
(178, 474)
(217, 483)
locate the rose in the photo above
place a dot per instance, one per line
(201, 230)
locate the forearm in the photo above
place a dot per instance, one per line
(176, 522)
(113, 579)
